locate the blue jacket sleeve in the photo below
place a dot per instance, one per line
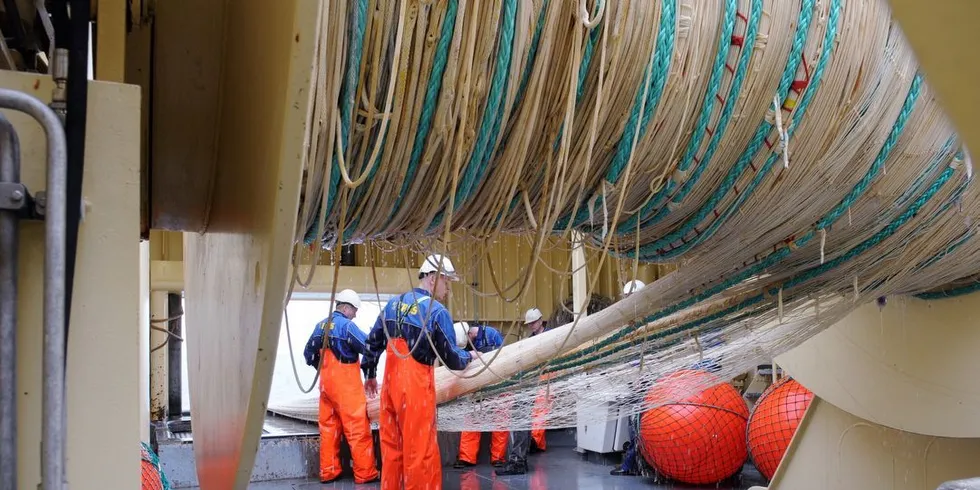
(374, 346)
(356, 339)
(313, 346)
(444, 338)
(494, 339)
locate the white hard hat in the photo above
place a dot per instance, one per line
(633, 286)
(348, 296)
(462, 333)
(440, 263)
(532, 316)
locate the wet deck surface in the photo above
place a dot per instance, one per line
(556, 468)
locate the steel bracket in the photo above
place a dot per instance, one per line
(14, 196)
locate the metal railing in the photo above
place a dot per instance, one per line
(13, 199)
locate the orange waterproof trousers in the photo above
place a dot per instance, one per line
(469, 446)
(538, 414)
(343, 409)
(409, 451)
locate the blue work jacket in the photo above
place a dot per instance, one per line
(422, 322)
(345, 340)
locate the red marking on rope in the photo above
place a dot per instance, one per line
(736, 189)
(696, 230)
(768, 143)
(709, 131)
(716, 213)
(799, 85)
(753, 167)
(729, 68)
(697, 160)
(718, 96)
(738, 41)
(742, 16)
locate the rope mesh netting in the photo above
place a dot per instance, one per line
(785, 155)
(774, 420)
(697, 439)
(152, 475)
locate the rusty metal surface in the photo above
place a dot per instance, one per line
(185, 102)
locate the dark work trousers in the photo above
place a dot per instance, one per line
(520, 444)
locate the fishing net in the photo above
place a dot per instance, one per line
(774, 421)
(786, 156)
(697, 439)
(152, 475)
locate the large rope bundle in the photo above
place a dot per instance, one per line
(787, 154)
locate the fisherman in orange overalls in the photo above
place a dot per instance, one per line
(343, 407)
(520, 441)
(484, 338)
(408, 328)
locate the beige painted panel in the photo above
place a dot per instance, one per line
(834, 450)
(167, 245)
(944, 36)
(910, 366)
(103, 357)
(168, 275)
(235, 274)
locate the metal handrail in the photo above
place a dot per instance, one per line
(54, 416)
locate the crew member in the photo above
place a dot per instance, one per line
(408, 328)
(631, 464)
(483, 338)
(520, 441)
(343, 407)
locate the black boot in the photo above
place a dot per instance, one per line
(512, 468)
(619, 472)
(462, 464)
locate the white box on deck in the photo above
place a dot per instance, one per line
(599, 428)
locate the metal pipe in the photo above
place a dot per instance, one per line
(9, 237)
(175, 307)
(53, 415)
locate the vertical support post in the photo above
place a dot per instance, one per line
(9, 243)
(580, 286)
(111, 42)
(174, 348)
(159, 386)
(144, 341)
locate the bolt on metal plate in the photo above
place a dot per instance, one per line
(13, 196)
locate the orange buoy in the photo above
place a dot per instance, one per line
(697, 439)
(152, 476)
(772, 424)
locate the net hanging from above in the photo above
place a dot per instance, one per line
(786, 155)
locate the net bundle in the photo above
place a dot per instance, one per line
(152, 475)
(786, 155)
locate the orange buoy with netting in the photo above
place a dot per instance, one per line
(697, 439)
(153, 478)
(773, 422)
